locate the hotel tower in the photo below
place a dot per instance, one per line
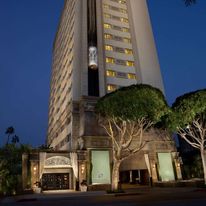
(100, 46)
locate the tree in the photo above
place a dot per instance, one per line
(189, 121)
(189, 2)
(11, 167)
(9, 131)
(15, 139)
(125, 115)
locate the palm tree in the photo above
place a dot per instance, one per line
(189, 2)
(9, 131)
(15, 139)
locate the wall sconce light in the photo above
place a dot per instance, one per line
(82, 169)
(153, 166)
(178, 164)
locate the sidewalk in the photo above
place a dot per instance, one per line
(70, 193)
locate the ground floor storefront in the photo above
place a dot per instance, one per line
(92, 169)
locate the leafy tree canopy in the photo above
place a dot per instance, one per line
(133, 102)
(187, 108)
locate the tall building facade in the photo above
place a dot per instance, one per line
(100, 46)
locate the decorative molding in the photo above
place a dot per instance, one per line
(57, 162)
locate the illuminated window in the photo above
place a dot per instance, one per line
(122, 2)
(130, 63)
(124, 20)
(111, 87)
(127, 40)
(107, 15)
(106, 6)
(108, 48)
(107, 26)
(124, 29)
(123, 11)
(128, 51)
(109, 60)
(107, 36)
(131, 76)
(111, 73)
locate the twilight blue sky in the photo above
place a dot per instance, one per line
(27, 29)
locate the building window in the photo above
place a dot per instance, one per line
(128, 51)
(130, 63)
(124, 20)
(123, 11)
(111, 73)
(108, 47)
(120, 62)
(107, 15)
(131, 76)
(119, 49)
(107, 26)
(107, 36)
(121, 2)
(121, 75)
(111, 87)
(127, 40)
(106, 6)
(117, 28)
(124, 29)
(109, 60)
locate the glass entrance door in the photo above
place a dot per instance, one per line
(59, 181)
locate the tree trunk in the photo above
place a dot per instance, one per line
(8, 140)
(115, 175)
(203, 163)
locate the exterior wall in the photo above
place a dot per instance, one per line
(145, 50)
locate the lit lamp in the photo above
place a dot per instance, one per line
(34, 168)
(93, 57)
(82, 169)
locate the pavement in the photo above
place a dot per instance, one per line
(140, 192)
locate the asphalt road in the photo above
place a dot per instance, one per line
(154, 197)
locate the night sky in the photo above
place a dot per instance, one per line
(27, 30)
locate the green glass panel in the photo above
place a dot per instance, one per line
(100, 167)
(166, 170)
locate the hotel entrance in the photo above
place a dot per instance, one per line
(58, 181)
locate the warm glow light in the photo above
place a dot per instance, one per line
(111, 87)
(107, 36)
(130, 63)
(111, 73)
(82, 169)
(108, 48)
(107, 26)
(109, 60)
(128, 51)
(93, 57)
(131, 76)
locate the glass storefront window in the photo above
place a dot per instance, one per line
(166, 170)
(100, 167)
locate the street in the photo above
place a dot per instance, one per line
(154, 197)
